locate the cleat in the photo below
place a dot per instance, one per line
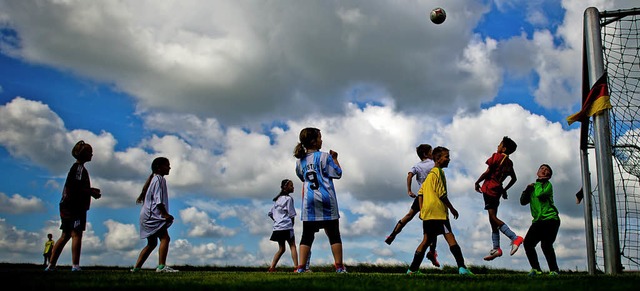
(516, 244)
(433, 257)
(464, 271)
(300, 270)
(342, 270)
(389, 239)
(553, 273)
(50, 269)
(534, 273)
(76, 269)
(135, 270)
(493, 254)
(273, 270)
(166, 269)
(414, 273)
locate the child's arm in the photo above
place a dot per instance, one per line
(480, 179)
(409, 179)
(164, 212)
(334, 155)
(446, 202)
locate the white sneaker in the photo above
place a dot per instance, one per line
(166, 269)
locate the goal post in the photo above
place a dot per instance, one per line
(610, 124)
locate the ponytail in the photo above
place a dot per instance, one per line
(155, 166)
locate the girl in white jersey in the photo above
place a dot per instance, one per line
(317, 170)
(283, 213)
(154, 216)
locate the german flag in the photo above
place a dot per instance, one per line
(596, 101)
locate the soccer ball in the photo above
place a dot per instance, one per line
(438, 15)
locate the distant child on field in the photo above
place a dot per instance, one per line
(48, 246)
(546, 222)
(75, 202)
(434, 212)
(317, 170)
(419, 171)
(155, 219)
(283, 214)
(499, 167)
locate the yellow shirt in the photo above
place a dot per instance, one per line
(432, 191)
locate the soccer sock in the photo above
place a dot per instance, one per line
(397, 229)
(495, 238)
(160, 267)
(508, 232)
(417, 260)
(457, 253)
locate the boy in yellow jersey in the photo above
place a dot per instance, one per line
(434, 206)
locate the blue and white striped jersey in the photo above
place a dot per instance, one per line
(317, 171)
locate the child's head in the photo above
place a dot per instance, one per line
(50, 236)
(440, 156)
(82, 151)
(423, 151)
(509, 145)
(310, 139)
(544, 172)
(156, 165)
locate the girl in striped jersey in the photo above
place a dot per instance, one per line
(317, 170)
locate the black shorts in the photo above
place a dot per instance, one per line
(282, 235)
(71, 224)
(331, 228)
(433, 228)
(415, 206)
(490, 202)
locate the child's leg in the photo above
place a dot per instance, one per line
(294, 251)
(76, 247)
(152, 242)
(163, 250)
(531, 239)
(277, 255)
(418, 256)
(455, 249)
(415, 209)
(548, 238)
(58, 247)
(308, 235)
(332, 229)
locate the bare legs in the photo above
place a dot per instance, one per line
(152, 242)
(76, 246)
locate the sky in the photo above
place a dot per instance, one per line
(223, 88)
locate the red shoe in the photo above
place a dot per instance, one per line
(516, 244)
(433, 257)
(271, 270)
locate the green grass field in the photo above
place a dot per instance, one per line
(364, 277)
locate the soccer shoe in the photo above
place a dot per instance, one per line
(433, 257)
(76, 269)
(342, 270)
(300, 270)
(534, 273)
(414, 273)
(464, 271)
(166, 269)
(516, 244)
(493, 254)
(553, 273)
(135, 270)
(271, 270)
(50, 269)
(389, 239)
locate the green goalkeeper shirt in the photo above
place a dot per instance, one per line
(541, 205)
